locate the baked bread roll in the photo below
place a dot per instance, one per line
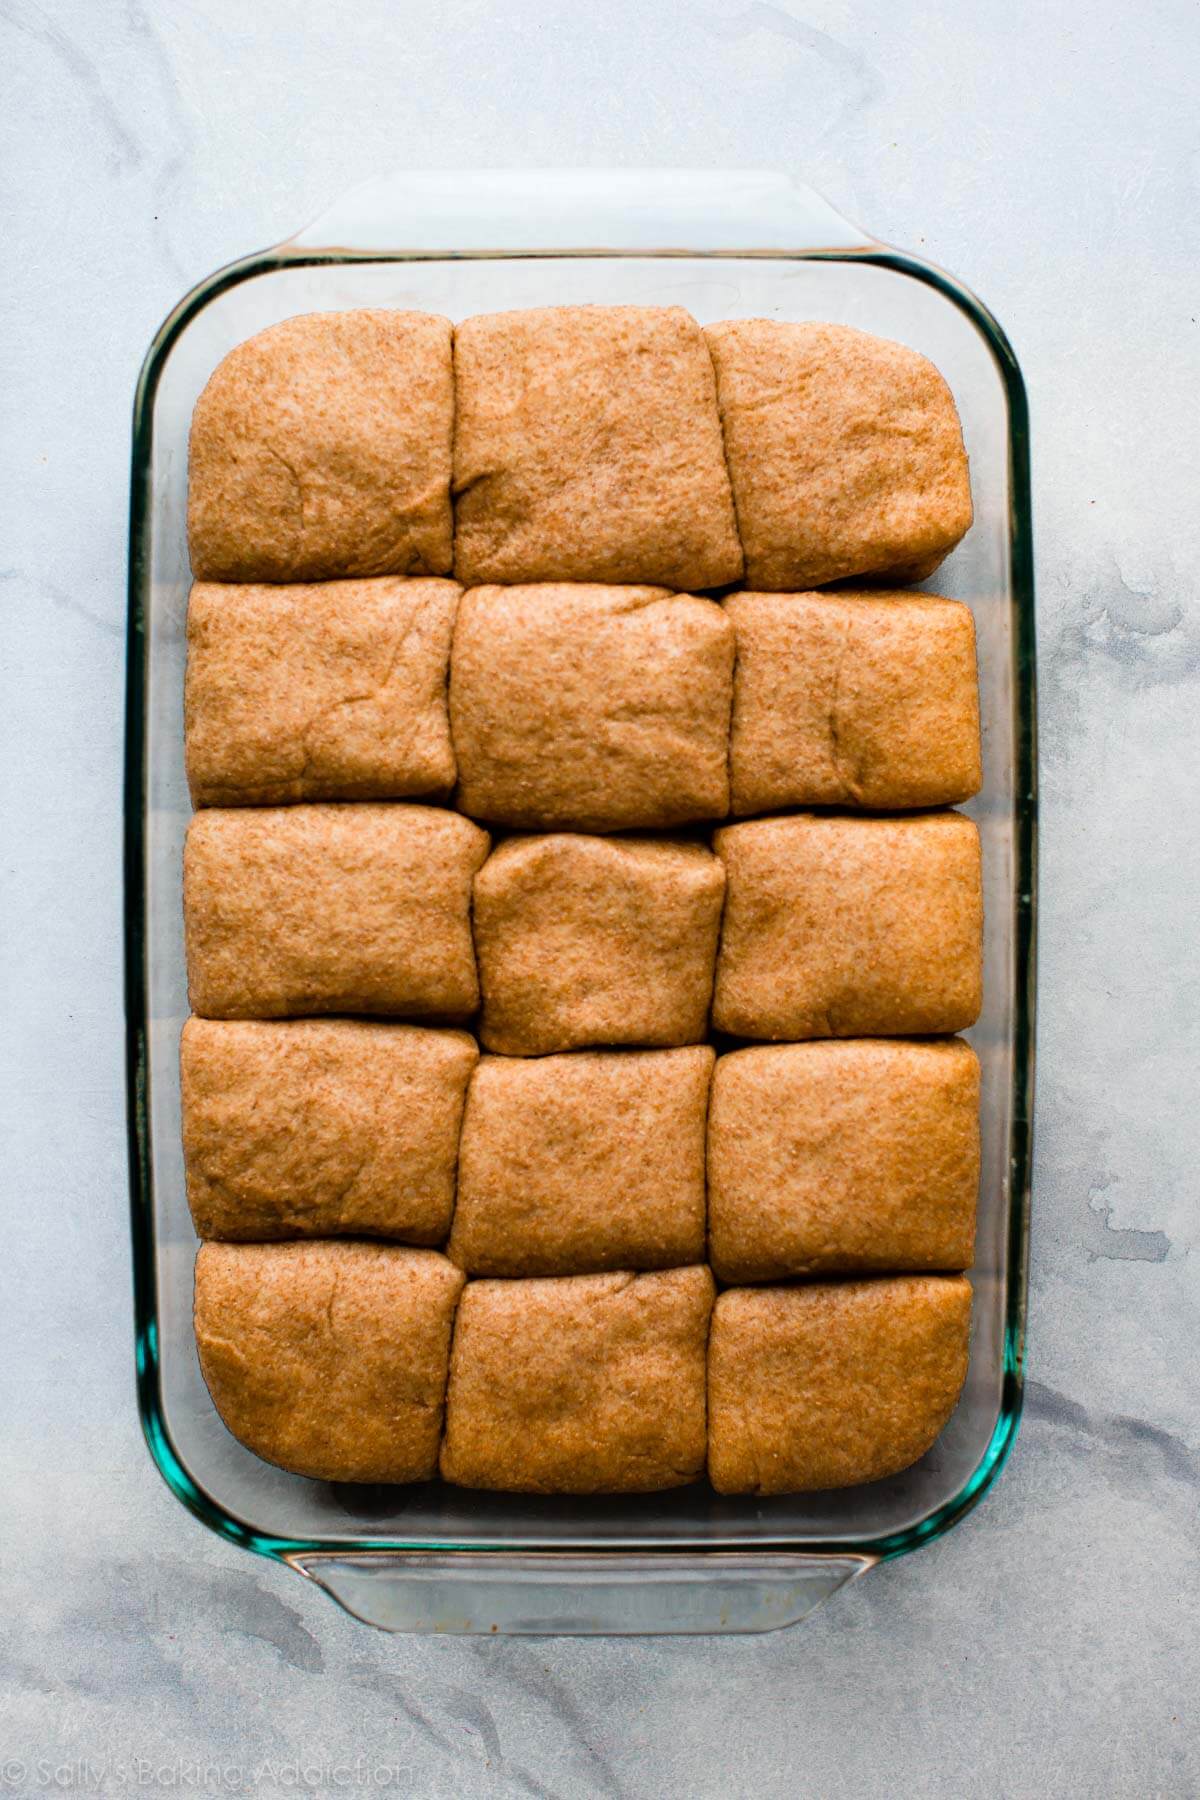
(592, 1384)
(330, 909)
(329, 1358)
(322, 1127)
(573, 1164)
(321, 448)
(837, 926)
(332, 690)
(587, 447)
(844, 450)
(839, 1157)
(590, 940)
(833, 1384)
(588, 707)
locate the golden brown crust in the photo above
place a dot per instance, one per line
(592, 707)
(322, 1127)
(843, 1157)
(844, 450)
(321, 448)
(853, 698)
(324, 909)
(591, 1384)
(587, 447)
(589, 940)
(329, 1358)
(332, 690)
(837, 926)
(580, 1163)
(829, 1385)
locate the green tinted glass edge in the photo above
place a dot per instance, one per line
(145, 1290)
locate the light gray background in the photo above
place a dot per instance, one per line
(1050, 155)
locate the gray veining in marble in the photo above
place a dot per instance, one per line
(1051, 156)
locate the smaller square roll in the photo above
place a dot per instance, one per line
(591, 940)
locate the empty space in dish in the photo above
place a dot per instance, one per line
(265, 1500)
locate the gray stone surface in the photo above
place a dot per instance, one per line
(1051, 156)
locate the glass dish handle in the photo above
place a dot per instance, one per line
(565, 1593)
(531, 210)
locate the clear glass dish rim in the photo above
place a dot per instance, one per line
(145, 1285)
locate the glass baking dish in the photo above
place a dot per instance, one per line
(436, 1558)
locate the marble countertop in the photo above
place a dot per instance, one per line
(1051, 157)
